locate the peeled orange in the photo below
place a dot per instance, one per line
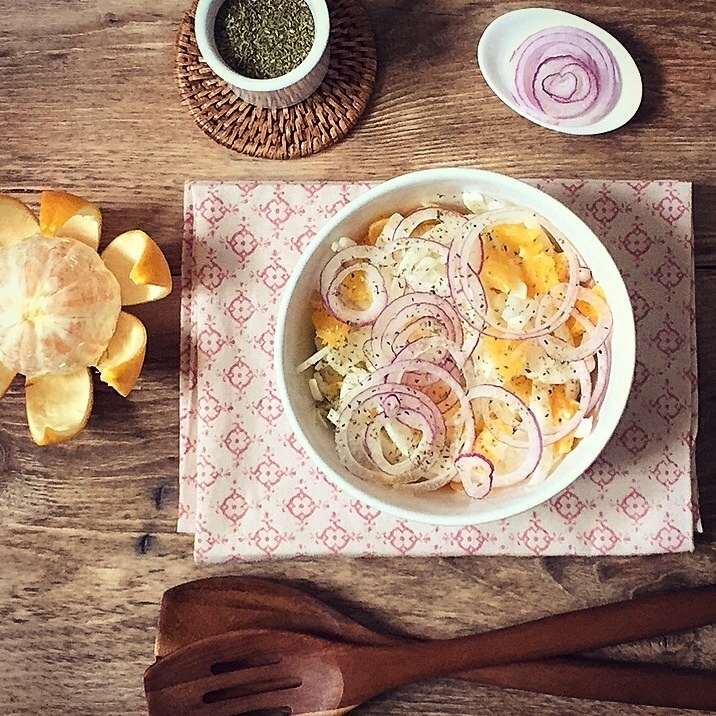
(59, 306)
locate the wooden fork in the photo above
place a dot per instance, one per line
(280, 673)
(292, 673)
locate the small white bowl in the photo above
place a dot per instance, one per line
(295, 334)
(284, 91)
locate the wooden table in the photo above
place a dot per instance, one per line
(88, 104)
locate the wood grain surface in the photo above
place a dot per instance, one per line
(88, 104)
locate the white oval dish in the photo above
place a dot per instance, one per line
(504, 35)
(284, 91)
(294, 342)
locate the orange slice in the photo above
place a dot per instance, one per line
(6, 377)
(139, 266)
(17, 221)
(58, 406)
(122, 362)
(69, 216)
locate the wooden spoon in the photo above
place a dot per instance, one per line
(215, 605)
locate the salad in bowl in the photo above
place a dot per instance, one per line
(455, 347)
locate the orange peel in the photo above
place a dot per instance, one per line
(17, 221)
(6, 377)
(122, 362)
(140, 267)
(58, 406)
(68, 216)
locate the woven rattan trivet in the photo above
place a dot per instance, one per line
(314, 124)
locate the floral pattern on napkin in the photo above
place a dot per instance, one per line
(249, 492)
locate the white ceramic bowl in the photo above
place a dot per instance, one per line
(295, 342)
(283, 91)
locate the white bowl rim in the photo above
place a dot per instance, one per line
(604, 427)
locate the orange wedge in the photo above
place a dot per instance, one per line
(122, 362)
(70, 217)
(17, 221)
(58, 406)
(140, 267)
(6, 377)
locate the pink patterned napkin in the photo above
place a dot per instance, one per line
(248, 491)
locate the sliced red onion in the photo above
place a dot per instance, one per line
(465, 263)
(424, 376)
(441, 352)
(425, 312)
(475, 472)
(365, 259)
(603, 357)
(438, 350)
(420, 216)
(414, 219)
(465, 260)
(358, 433)
(554, 433)
(565, 76)
(404, 243)
(594, 335)
(532, 451)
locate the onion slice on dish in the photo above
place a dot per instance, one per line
(475, 472)
(416, 218)
(565, 76)
(594, 335)
(406, 319)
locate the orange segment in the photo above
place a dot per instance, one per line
(17, 221)
(122, 362)
(58, 406)
(329, 329)
(71, 217)
(6, 377)
(140, 267)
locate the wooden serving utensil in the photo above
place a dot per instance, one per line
(288, 672)
(213, 605)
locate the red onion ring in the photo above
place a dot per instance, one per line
(603, 358)
(554, 433)
(594, 336)
(464, 265)
(357, 433)
(451, 400)
(532, 445)
(475, 472)
(391, 331)
(352, 259)
(429, 213)
(565, 76)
